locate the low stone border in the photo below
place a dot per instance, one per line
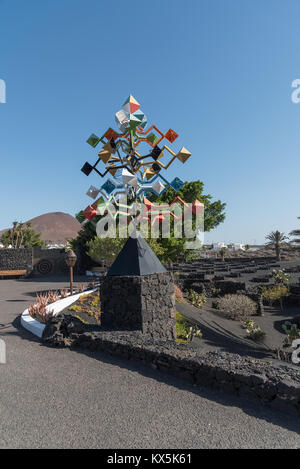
(37, 328)
(273, 383)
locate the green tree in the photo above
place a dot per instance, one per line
(21, 236)
(275, 293)
(104, 249)
(171, 249)
(175, 248)
(86, 234)
(276, 240)
(214, 210)
(223, 252)
(107, 249)
(157, 248)
(297, 234)
(167, 249)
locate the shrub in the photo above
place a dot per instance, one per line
(215, 291)
(223, 252)
(292, 331)
(42, 299)
(76, 308)
(38, 311)
(276, 293)
(236, 306)
(89, 305)
(52, 296)
(281, 277)
(64, 293)
(178, 293)
(248, 324)
(254, 331)
(256, 334)
(197, 299)
(81, 319)
(193, 331)
(186, 330)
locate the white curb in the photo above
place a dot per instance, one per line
(37, 328)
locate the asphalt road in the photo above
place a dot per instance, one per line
(53, 398)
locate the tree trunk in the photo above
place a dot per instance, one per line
(281, 304)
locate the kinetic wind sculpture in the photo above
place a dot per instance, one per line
(133, 175)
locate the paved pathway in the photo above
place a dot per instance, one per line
(53, 398)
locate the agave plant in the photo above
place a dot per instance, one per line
(39, 312)
(63, 293)
(276, 239)
(53, 296)
(42, 299)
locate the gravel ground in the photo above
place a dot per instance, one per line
(227, 335)
(51, 398)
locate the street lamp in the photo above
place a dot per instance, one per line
(71, 259)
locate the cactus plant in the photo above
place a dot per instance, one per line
(292, 331)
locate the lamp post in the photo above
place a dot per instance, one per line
(71, 259)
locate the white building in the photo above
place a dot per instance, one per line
(233, 246)
(237, 247)
(218, 246)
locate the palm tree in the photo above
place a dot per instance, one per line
(12, 232)
(223, 253)
(21, 236)
(18, 234)
(22, 232)
(276, 239)
(297, 234)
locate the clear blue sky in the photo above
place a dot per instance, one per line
(219, 72)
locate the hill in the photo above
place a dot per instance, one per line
(55, 227)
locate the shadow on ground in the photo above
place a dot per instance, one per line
(218, 337)
(63, 282)
(249, 406)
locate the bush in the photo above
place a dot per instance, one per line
(64, 293)
(38, 312)
(178, 293)
(38, 309)
(237, 307)
(42, 299)
(88, 305)
(254, 331)
(276, 293)
(197, 299)
(292, 331)
(186, 330)
(281, 277)
(256, 334)
(248, 324)
(53, 296)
